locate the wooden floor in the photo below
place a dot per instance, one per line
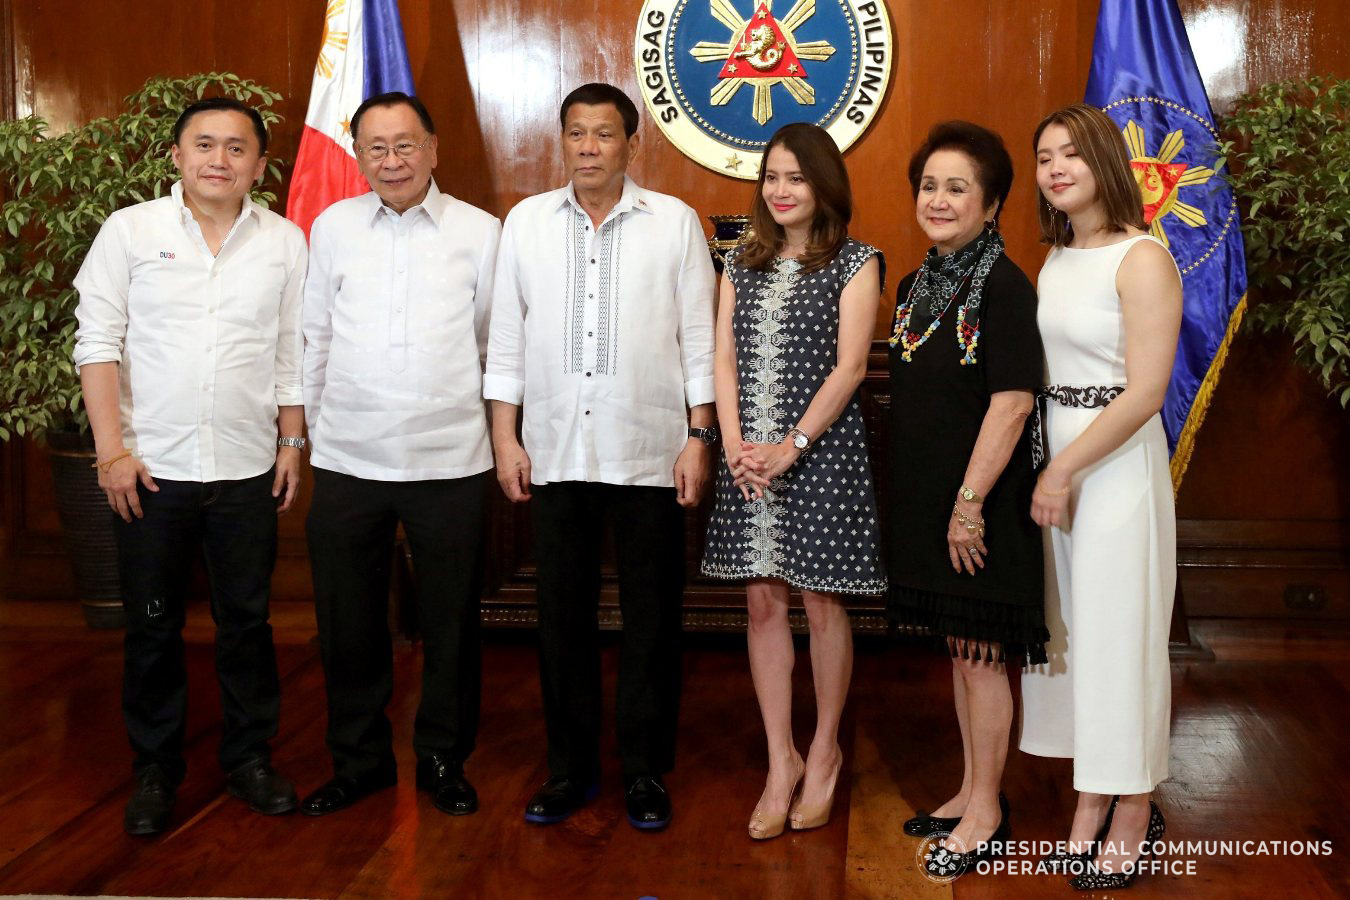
(1261, 742)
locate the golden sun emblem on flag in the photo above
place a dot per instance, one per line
(762, 52)
(331, 40)
(1160, 180)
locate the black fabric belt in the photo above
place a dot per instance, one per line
(1091, 396)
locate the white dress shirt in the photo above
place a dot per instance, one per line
(396, 319)
(604, 334)
(208, 346)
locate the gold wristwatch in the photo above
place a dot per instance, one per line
(970, 496)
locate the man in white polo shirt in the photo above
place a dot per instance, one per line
(602, 327)
(396, 316)
(189, 351)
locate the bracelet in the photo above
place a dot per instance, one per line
(107, 464)
(971, 525)
(1049, 493)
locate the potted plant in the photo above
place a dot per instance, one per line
(1290, 161)
(59, 187)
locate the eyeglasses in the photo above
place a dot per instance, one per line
(403, 150)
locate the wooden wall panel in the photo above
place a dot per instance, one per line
(1266, 501)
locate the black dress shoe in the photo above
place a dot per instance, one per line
(151, 803)
(1096, 880)
(941, 862)
(922, 825)
(648, 803)
(264, 789)
(1066, 863)
(444, 779)
(340, 793)
(558, 799)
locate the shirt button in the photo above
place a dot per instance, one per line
(592, 262)
(206, 387)
(588, 374)
(209, 348)
(398, 309)
(590, 296)
(590, 334)
(588, 412)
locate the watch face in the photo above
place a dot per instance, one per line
(800, 441)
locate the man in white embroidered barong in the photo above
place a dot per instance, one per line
(602, 328)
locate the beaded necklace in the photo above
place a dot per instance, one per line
(986, 250)
(910, 341)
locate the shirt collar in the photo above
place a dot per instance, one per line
(632, 198)
(433, 205)
(247, 208)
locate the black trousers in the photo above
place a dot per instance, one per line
(235, 524)
(649, 541)
(351, 531)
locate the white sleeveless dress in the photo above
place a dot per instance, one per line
(1104, 697)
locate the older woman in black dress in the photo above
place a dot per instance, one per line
(965, 558)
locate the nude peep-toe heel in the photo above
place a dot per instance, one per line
(802, 818)
(764, 826)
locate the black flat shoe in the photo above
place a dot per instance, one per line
(558, 799)
(1096, 880)
(648, 803)
(443, 778)
(262, 788)
(1077, 863)
(340, 793)
(151, 803)
(922, 825)
(948, 865)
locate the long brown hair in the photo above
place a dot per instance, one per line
(1099, 142)
(822, 166)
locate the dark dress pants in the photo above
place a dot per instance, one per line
(649, 542)
(351, 531)
(234, 524)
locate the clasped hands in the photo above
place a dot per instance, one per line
(754, 466)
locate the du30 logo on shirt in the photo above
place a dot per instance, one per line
(721, 76)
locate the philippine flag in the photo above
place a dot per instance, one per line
(362, 54)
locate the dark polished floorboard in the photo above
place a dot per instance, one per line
(1259, 752)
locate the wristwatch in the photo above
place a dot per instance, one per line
(709, 435)
(970, 496)
(800, 439)
(296, 442)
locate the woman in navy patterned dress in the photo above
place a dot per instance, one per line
(795, 506)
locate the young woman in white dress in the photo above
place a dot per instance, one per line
(1109, 314)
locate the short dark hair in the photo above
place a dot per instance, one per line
(993, 165)
(215, 104)
(597, 93)
(822, 166)
(393, 98)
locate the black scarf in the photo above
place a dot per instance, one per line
(940, 277)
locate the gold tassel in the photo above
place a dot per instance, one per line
(1181, 459)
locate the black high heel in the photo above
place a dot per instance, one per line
(922, 825)
(949, 865)
(1096, 880)
(1076, 863)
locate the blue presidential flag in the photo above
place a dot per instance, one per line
(1145, 78)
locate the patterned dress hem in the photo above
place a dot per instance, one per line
(864, 588)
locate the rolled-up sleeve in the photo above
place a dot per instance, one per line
(290, 333)
(103, 283)
(694, 298)
(504, 378)
(317, 321)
